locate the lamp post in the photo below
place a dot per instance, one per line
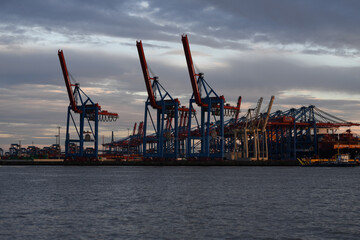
(59, 141)
(128, 142)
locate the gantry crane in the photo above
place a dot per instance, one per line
(262, 136)
(296, 133)
(129, 146)
(208, 141)
(251, 129)
(166, 142)
(248, 133)
(90, 113)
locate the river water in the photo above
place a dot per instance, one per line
(73, 202)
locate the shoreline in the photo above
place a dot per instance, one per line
(60, 162)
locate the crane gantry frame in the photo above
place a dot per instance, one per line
(209, 140)
(167, 143)
(90, 114)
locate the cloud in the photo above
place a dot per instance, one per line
(298, 50)
(322, 23)
(221, 24)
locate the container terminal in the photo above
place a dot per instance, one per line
(207, 131)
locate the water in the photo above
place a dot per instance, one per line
(71, 202)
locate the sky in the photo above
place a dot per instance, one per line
(304, 52)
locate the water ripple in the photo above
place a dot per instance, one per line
(39, 202)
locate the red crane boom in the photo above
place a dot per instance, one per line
(238, 108)
(103, 114)
(191, 69)
(147, 77)
(67, 82)
(134, 130)
(194, 83)
(141, 128)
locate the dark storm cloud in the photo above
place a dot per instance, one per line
(32, 90)
(21, 67)
(329, 23)
(42, 67)
(272, 76)
(80, 17)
